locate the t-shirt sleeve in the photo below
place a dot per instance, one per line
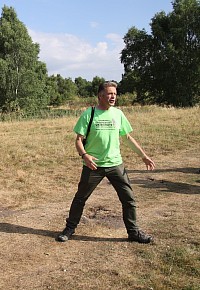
(82, 124)
(125, 126)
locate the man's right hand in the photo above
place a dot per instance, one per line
(90, 161)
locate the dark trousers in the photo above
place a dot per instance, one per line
(89, 180)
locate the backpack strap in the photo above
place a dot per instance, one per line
(90, 123)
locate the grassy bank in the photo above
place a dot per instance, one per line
(39, 171)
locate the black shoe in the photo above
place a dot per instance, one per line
(140, 237)
(65, 235)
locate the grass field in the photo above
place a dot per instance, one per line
(39, 172)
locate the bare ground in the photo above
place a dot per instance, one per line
(99, 256)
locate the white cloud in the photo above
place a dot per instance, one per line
(70, 56)
(94, 24)
(115, 38)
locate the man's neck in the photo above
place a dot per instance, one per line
(103, 108)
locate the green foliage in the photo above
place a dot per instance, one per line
(165, 66)
(84, 87)
(22, 76)
(126, 99)
(178, 39)
(95, 85)
(160, 68)
(60, 90)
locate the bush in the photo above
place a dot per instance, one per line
(127, 99)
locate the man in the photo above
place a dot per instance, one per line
(102, 158)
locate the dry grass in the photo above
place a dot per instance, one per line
(39, 171)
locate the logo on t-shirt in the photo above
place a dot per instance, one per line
(106, 125)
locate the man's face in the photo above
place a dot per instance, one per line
(107, 98)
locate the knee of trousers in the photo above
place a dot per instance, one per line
(129, 204)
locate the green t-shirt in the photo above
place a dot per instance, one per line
(103, 139)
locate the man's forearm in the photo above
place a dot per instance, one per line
(132, 143)
(79, 146)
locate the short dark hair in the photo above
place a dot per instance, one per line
(106, 84)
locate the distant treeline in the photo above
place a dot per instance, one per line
(159, 68)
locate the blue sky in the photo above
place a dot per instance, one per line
(84, 37)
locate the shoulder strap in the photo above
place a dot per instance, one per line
(90, 123)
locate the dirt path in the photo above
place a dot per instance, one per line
(99, 257)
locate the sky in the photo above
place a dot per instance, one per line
(84, 38)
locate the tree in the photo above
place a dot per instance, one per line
(84, 87)
(22, 75)
(178, 42)
(137, 59)
(167, 62)
(60, 90)
(96, 81)
(52, 90)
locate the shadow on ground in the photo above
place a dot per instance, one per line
(166, 185)
(17, 229)
(182, 169)
(12, 228)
